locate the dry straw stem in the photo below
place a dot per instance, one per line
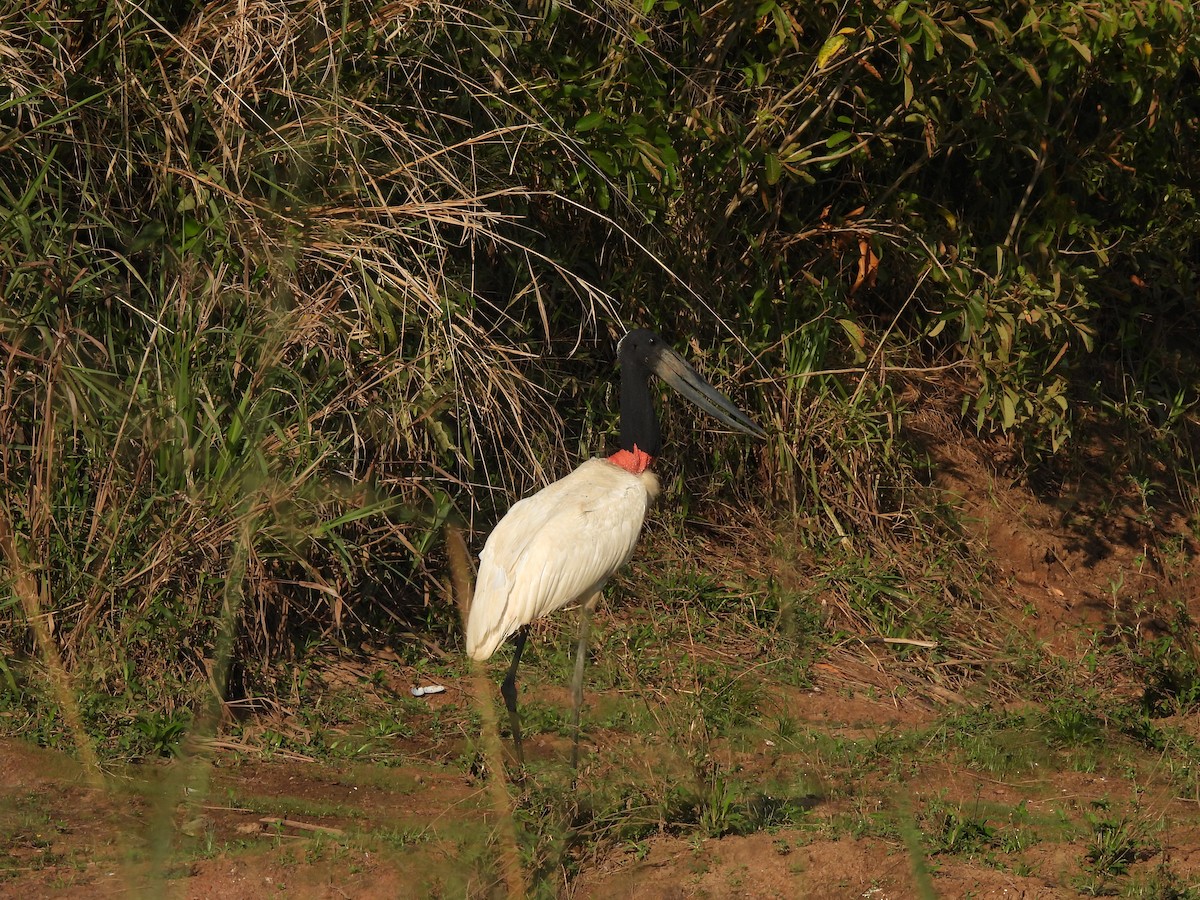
(25, 586)
(482, 692)
(277, 822)
(33, 593)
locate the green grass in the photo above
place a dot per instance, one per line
(690, 737)
(696, 766)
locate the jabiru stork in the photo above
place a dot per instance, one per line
(560, 546)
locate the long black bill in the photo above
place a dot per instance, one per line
(679, 374)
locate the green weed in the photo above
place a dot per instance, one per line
(1162, 883)
(958, 833)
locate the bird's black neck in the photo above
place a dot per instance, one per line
(639, 423)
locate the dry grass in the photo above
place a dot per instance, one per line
(252, 319)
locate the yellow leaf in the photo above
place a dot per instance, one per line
(854, 333)
(833, 46)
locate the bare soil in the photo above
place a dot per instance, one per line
(1082, 571)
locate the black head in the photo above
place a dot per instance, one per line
(642, 352)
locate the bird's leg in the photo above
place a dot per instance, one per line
(508, 690)
(585, 621)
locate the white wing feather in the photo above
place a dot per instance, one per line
(559, 546)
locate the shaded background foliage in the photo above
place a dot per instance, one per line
(309, 278)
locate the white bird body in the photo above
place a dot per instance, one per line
(557, 548)
(560, 546)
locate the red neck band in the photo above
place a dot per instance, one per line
(636, 462)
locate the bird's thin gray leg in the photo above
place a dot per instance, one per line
(585, 621)
(508, 690)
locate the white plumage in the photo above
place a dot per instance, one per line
(556, 549)
(560, 546)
